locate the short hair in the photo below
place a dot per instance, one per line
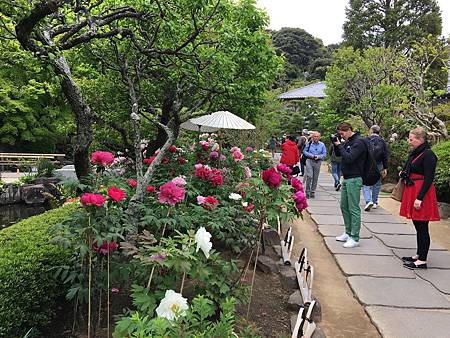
(375, 129)
(292, 138)
(344, 126)
(419, 132)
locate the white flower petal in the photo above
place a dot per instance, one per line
(234, 196)
(203, 240)
(172, 304)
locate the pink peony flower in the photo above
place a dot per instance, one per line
(204, 144)
(248, 172)
(296, 184)
(222, 157)
(160, 257)
(132, 183)
(114, 290)
(150, 188)
(271, 177)
(283, 168)
(92, 199)
(238, 156)
(300, 200)
(170, 193)
(249, 207)
(180, 181)
(105, 247)
(200, 199)
(248, 149)
(233, 149)
(116, 194)
(102, 158)
(213, 154)
(172, 149)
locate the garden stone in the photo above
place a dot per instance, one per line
(366, 247)
(295, 301)
(47, 180)
(376, 218)
(329, 230)
(267, 264)
(317, 311)
(328, 219)
(440, 278)
(444, 210)
(390, 229)
(387, 187)
(33, 194)
(271, 237)
(403, 241)
(318, 333)
(10, 195)
(288, 278)
(277, 250)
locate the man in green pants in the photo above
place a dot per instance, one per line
(354, 154)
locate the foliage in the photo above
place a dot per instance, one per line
(45, 167)
(28, 291)
(442, 178)
(395, 24)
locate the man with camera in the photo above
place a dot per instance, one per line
(314, 152)
(354, 155)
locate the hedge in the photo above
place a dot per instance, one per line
(442, 179)
(28, 291)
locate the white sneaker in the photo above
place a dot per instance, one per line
(374, 206)
(368, 206)
(342, 238)
(351, 243)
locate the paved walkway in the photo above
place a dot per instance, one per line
(400, 302)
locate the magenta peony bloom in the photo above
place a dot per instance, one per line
(271, 177)
(170, 193)
(300, 200)
(132, 183)
(114, 290)
(283, 168)
(102, 158)
(105, 247)
(222, 157)
(213, 154)
(92, 199)
(237, 155)
(248, 149)
(296, 184)
(216, 178)
(150, 188)
(116, 194)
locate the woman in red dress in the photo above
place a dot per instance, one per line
(419, 201)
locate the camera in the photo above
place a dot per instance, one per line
(333, 138)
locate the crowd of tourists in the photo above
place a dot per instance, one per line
(358, 164)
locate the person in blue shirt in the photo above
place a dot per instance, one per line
(315, 153)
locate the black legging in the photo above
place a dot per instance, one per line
(423, 239)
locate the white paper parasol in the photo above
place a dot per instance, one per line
(222, 120)
(188, 125)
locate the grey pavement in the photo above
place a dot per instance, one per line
(400, 302)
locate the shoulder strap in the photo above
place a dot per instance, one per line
(419, 156)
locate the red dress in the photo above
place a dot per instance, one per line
(429, 208)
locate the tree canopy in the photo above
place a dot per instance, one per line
(390, 23)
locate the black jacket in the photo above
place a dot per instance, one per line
(354, 155)
(385, 152)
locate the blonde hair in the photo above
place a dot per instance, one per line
(419, 133)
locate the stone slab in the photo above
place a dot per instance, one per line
(409, 323)
(328, 230)
(375, 218)
(398, 292)
(324, 210)
(366, 247)
(435, 260)
(323, 196)
(376, 266)
(440, 279)
(403, 241)
(317, 203)
(390, 229)
(328, 219)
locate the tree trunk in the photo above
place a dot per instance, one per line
(82, 113)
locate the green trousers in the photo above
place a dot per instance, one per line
(351, 211)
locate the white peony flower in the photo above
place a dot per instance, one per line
(234, 196)
(245, 204)
(203, 240)
(171, 305)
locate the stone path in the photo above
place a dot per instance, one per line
(400, 302)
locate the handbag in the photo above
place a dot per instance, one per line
(303, 158)
(397, 193)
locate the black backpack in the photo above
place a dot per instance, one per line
(371, 174)
(376, 147)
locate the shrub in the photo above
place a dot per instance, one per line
(442, 179)
(28, 290)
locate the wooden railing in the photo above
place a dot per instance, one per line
(20, 159)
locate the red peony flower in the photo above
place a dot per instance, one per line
(92, 199)
(170, 193)
(216, 178)
(271, 177)
(150, 188)
(132, 183)
(116, 194)
(210, 202)
(182, 160)
(149, 160)
(165, 160)
(105, 247)
(250, 207)
(172, 149)
(102, 158)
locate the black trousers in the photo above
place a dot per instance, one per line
(423, 239)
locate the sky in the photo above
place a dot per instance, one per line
(323, 18)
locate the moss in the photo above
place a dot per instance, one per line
(28, 291)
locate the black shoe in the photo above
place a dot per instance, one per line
(408, 259)
(313, 195)
(338, 187)
(413, 266)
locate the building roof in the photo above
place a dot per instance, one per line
(312, 90)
